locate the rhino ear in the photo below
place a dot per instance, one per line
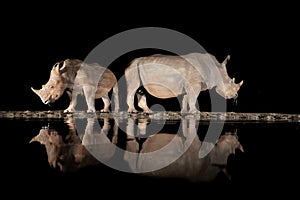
(56, 67)
(63, 68)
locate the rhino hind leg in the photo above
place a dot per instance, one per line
(133, 83)
(142, 103)
(89, 93)
(184, 108)
(106, 102)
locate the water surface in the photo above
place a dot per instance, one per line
(86, 154)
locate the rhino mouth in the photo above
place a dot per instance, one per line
(47, 102)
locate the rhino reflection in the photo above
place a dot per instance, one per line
(80, 149)
(73, 152)
(190, 165)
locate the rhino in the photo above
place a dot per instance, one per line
(77, 77)
(158, 156)
(75, 150)
(189, 166)
(79, 149)
(167, 76)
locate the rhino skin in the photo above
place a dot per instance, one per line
(167, 76)
(77, 77)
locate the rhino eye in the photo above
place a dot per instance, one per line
(51, 86)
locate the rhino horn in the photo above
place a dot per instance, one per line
(35, 91)
(241, 83)
(34, 139)
(241, 148)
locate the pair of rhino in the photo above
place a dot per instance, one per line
(181, 152)
(163, 76)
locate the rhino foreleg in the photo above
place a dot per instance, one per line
(192, 95)
(73, 102)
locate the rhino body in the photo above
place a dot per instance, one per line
(170, 155)
(76, 77)
(76, 149)
(167, 76)
(189, 166)
(80, 149)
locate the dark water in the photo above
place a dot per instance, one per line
(62, 157)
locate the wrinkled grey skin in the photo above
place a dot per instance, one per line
(167, 76)
(76, 77)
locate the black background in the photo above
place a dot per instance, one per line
(262, 42)
(261, 39)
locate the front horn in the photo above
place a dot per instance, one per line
(35, 91)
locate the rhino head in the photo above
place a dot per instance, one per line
(55, 86)
(229, 89)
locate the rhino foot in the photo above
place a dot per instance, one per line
(149, 111)
(195, 112)
(91, 111)
(184, 111)
(104, 111)
(132, 110)
(68, 110)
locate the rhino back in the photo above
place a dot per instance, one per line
(94, 75)
(165, 76)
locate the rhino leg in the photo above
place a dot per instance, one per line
(114, 138)
(116, 97)
(133, 83)
(192, 94)
(184, 108)
(130, 102)
(106, 102)
(89, 93)
(142, 103)
(73, 102)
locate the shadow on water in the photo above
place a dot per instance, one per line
(82, 152)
